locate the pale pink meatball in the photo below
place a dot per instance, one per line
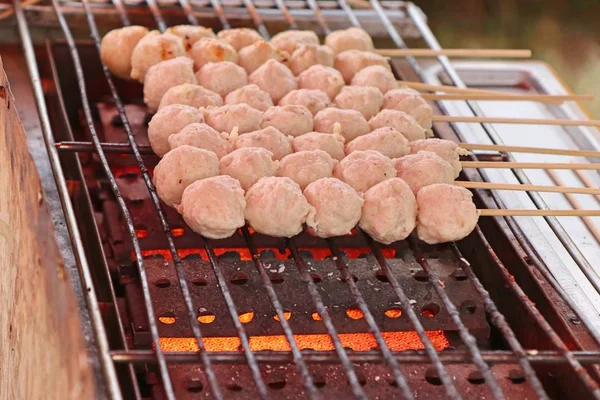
(352, 123)
(320, 77)
(117, 47)
(251, 95)
(274, 78)
(242, 116)
(248, 165)
(363, 169)
(239, 37)
(292, 120)
(268, 138)
(314, 100)
(446, 149)
(191, 34)
(209, 50)
(214, 207)
(387, 141)
(337, 207)
(191, 95)
(332, 144)
(253, 56)
(400, 121)
(276, 207)
(349, 39)
(411, 102)
(204, 137)
(365, 99)
(377, 76)
(163, 76)
(152, 49)
(350, 62)
(181, 167)
(307, 55)
(446, 213)
(289, 40)
(390, 211)
(423, 169)
(222, 77)
(168, 121)
(305, 167)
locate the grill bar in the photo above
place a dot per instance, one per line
(155, 9)
(319, 16)
(187, 8)
(121, 11)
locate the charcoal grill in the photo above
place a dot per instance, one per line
(174, 315)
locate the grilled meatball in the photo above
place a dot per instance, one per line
(239, 37)
(350, 62)
(191, 34)
(274, 78)
(390, 211)
(181, 167)
(242, 116)
(253, 56)
(190, 95)
(446, 149)
(363, 169)
(400, 121)
(332, 144)
(352, 122)
(275, 206)
(387, 141)
(209, 50)
(291, 119)
(222, 77)
(446, 213)
(251, 95)
(214, 207)
(377, 76)
(204, 137)
(423, 169)
(268, 138)
(163, 76)
(307, 55)
(289, 40)
(411, 102)
(168, 121)
(314, 100)
(152, 49)
(320, 77)
(365, 99)
(248, 165)
(349, 39)
(117, 47)
(305, 167)
(337, 207)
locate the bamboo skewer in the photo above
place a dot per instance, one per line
(540, 98)
(527, 188)
(538, 213)
(586, 181)
(534, 150)
(528, 165)
(468, 53)
(446, 88)
(526, 121)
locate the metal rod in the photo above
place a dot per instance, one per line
(350, 13)
(286, 14)
(314, 6)
(189, 12)
(88, 147)
(120, 7)
(155, 9)
(257, 19)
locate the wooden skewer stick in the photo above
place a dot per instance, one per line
(469, 53)
(540, 98)
(446, 88)
(539, 213)
(586, 181)
(533, 150)
(526, 188)
(528, 165)
(526, 121)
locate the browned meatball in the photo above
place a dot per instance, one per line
(117, 47)
(210, 50)
(350, 62)
(191, 34)
(290, 40)
(239, 37)
(253, 56)
(349, 39)
(152, 49)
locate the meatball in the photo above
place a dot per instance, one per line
(387, 141)
(275, 206)
(446, 213)
(352, 122)
(117, 47)
(168, 121)
(291, 119)
(214, 207)
(332, 144)
(390, 211)
(202, 136)
(190, 95)
(337, 207)
(253, 56)
(268, 138)
(320, 77)
(242, 116)
(181, 167)
(248, 165)
(274, 78)
(363, 169)
(210, 50)
(400, 121)
(152, 49)
(163, 76)
(365, 99)
(377, 76)
(289, 40)
(411, 102)
(251, 95)
(222, 77)
(423, 169)
(350, 62)
(239, 37)
(446, 149)
(191, 34)
(314, 100)
(349, 39)
(307, 55)
(305, 167)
